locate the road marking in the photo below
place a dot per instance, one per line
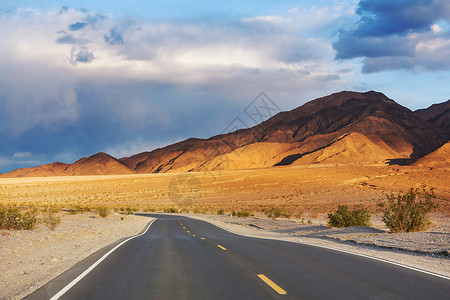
(202, 238)
(221, 247)
(188, 231)
(335, 249)
(193, 235)
(88, 270)
(272, 284)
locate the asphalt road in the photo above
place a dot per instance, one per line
(183, 258)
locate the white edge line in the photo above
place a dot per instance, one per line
(335, 249)
(88, 270)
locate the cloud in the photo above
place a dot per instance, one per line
(81, 55)
(22, 154)
(114, 37)
(68, 39)
(81, 89)
(392, 35)
(77, 26)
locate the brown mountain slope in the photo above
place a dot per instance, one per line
(97, 164)
(53, 169)
(310, 127)
(437, 114)
(345, 127)
(350, 148)
(438, 158)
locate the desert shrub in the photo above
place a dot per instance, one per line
(220, 212)
(244, 213)
(344, 217)
(170, 210)
(103, 211)
(276, 212)
(13, 218)
(51, 219)
(407, 212)
(131, 210)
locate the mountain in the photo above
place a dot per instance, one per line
(345, 127)
(97, 164)
(438, 158)
(387, 128)
(53, 169)
(438, 115)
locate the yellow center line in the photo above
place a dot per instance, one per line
(202, 238)
(272, 284)
(221, 247)
(188, 231)
(193, 235)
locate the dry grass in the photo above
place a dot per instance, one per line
(309, 190)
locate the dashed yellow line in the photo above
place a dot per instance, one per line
(272, 284)
(193, 235)
(202, 238)
(221, 247)
(188, 231)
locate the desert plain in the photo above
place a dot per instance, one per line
(306, 193)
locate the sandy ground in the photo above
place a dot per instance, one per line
(428, 251)
(29, 259)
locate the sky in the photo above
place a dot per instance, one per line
(123, 77)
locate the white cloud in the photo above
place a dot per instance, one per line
(22, 154)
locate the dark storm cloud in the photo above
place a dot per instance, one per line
(114, 37)
(390, 35)
(386, 17)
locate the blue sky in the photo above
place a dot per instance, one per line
(80, 77)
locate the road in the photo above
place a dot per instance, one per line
(184, 258)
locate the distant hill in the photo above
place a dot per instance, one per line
(345, 127)
(438, 158)
(437, 114)
(97, 164)
(53, 169)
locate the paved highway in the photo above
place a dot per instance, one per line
(184, 258)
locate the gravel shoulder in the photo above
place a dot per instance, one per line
(428, 251)
(29, 259)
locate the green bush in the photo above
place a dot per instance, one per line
(407, 212)
(170, 210)
(13, 219)
(51, 220)
(220, 212)
(103, 211)
(344, 217)
(276, 212)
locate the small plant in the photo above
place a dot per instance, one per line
(344, 217)
(220, 212)
(244, 213)
(407, 212)
(170, 210)
(122, 218)
(276, 212)
(12, 218)
(103, 211)
(51, 220)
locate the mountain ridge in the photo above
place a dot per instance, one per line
(326, 129)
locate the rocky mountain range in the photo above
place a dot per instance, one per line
(342, 128)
